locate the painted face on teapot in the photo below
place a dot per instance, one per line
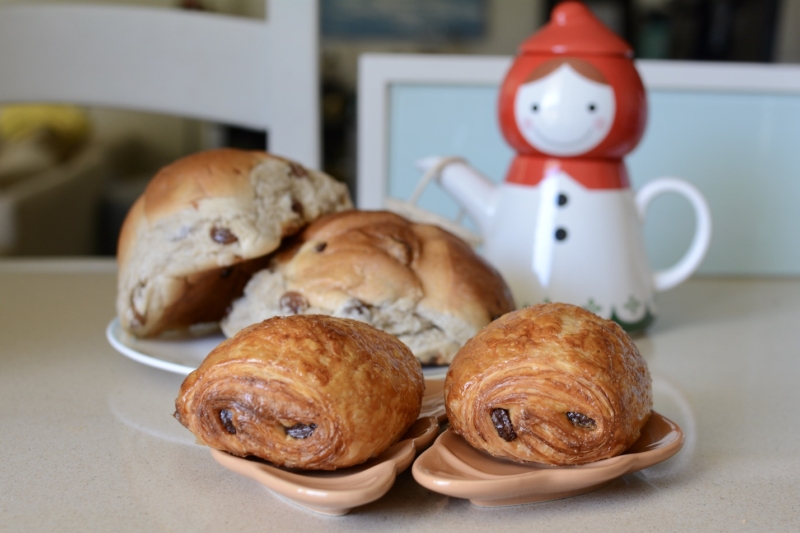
(566, 108)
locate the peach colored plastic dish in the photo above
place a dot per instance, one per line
(433, 400)
(452, 467)
(338, 492)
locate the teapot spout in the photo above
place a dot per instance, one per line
(473, 191)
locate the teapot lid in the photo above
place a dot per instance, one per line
(573, 29)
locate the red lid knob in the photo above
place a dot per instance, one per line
(574, 30)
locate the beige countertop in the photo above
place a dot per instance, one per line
(88, 442)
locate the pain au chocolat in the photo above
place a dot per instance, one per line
(552, 383)
(306, 391)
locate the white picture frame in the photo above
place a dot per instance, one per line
(756, 223)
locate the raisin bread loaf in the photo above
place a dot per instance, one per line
(203, 225)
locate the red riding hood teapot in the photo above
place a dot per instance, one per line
(564, 225)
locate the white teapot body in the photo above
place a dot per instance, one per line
(558, 240)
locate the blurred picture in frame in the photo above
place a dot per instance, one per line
(427, 20)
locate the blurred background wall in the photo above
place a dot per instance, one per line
(135, 144)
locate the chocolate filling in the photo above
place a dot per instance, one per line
(580, 420)
(226, 417)
(502, 423)
(301, 431)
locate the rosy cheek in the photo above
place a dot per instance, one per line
(527, 123)
(600, 123)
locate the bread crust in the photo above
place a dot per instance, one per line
(203, 218)
(552, 383)
(310, 391)
(415, 281)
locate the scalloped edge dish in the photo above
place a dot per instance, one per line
(337, 493)
(454, 468)
(182, 355)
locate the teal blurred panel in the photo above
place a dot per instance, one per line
(741, 150)
(443, 120)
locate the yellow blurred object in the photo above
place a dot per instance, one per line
(67, 125)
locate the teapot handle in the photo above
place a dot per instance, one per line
(685, 267)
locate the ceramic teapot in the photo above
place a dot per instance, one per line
(565, 225)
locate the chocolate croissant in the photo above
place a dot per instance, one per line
(551, 383)
(306, 391)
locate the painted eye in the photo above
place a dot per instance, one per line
(535, 107)
(592, 108)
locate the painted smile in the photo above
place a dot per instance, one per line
(563, 144)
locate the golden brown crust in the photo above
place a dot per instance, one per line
(366, 255)
(457, 281)
(345, 390)
(416, 281)
(209, 174)
(404, 260)
(564, 386)
(201, 215)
